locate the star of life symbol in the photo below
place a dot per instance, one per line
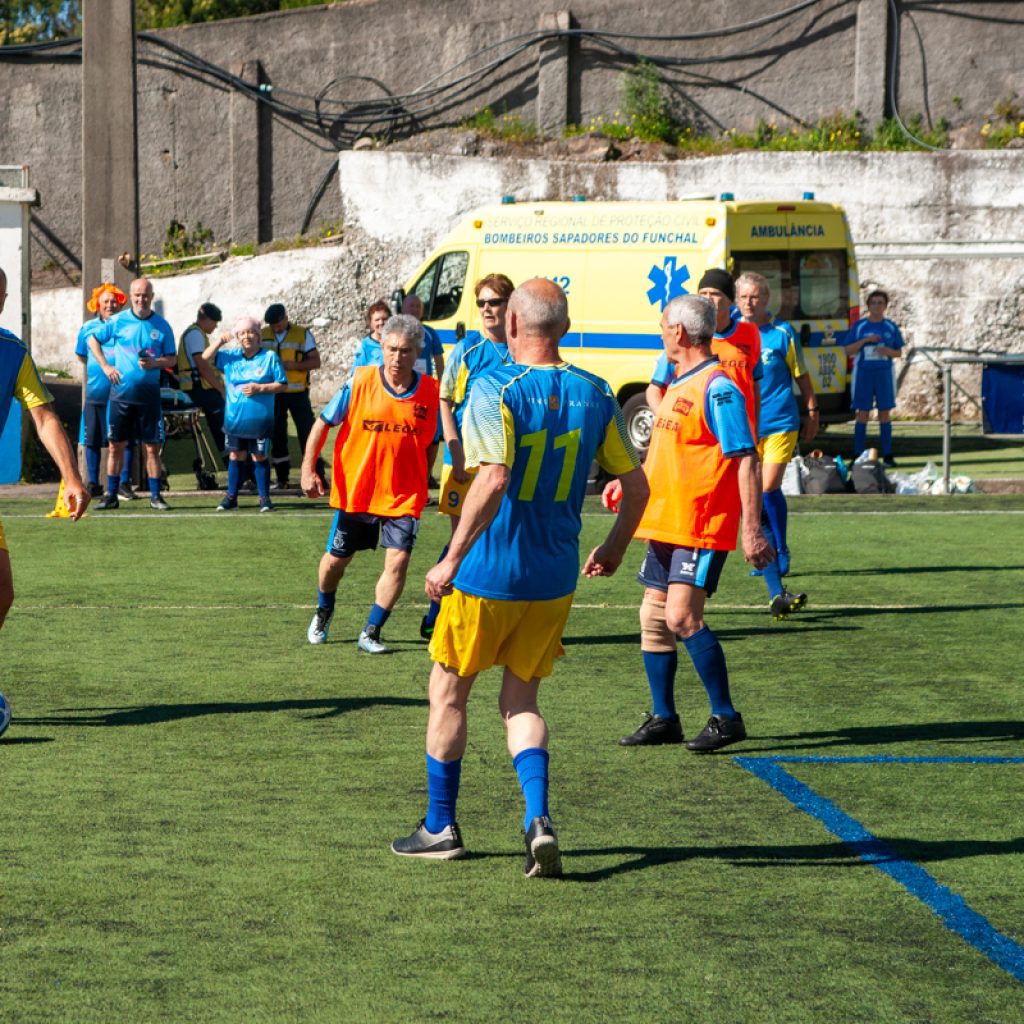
(667, 281)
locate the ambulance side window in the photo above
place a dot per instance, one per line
(440, 287)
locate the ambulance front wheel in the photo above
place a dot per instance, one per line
(639, 420)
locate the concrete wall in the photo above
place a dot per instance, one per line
(940, 232)
(206, 154)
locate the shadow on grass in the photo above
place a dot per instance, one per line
(834, 854)
(25, 740)
(880, 735)
(157, 714)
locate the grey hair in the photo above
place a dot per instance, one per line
(759, 281)
(541, 314)
(696, 315)
(404, 326)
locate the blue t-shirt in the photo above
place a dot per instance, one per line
(97, 383)
(249, 416)
(546, 424)
(867, 358)
(664, 370)
(782, 361)
(124, 338)
(368, 353)
(726, 413)
(471, 358)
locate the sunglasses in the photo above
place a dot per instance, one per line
(490, 303)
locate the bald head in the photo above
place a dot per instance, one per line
(540, 308)
(140, 293)
(412, 305)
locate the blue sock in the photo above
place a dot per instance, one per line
(860, 438)
(435, 606)
(885, 429)
(660, 667)
(325, 600)
(234, 477)
(442, 792)
(92, 464)
(771, 572)
(709, 660)
(261, 470)
(126, 466)
(777, 511)
(154, 487)
(531, 766)
(111, 484)
(375, 623)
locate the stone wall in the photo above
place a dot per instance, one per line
(207, 154)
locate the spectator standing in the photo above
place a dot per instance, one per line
(206, 396)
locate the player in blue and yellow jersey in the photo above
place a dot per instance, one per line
(387, 418)
(508, 578)
(780, 428)
(477, 354)
(252, 377)
(140, 344)
(106, 301)
(704, 476)
(19, 380)
(874, 342)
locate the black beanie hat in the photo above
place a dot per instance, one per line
(720, 280)
(275, 314)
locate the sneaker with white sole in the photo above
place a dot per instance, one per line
(228, 504)
(543, 858)
(158, 504)
(372, 644)
(443, 845)
(319, 627)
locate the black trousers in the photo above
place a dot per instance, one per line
(212, 404)
(296, 404)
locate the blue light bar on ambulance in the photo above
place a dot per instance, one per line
(808, 195)
(507, 200)
(727, 197)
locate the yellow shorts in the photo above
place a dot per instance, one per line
(452, 495)
(3, 539)
(778, 448)
(474, 633)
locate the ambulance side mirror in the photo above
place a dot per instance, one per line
(397, 298)
(460, 331)
(805, 335)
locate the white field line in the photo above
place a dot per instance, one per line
(227, 517)
(308, 606)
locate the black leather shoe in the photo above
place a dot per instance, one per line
(654, 731)
(543, 858)
(718, 733)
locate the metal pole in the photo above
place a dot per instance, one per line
(947, 422)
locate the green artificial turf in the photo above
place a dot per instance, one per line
(198, 804)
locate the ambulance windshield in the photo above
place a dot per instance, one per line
(808, 284)
(440, 285)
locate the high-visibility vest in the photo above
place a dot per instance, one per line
(695, 496)
(290, 348)
(188, 373)
(380, 453)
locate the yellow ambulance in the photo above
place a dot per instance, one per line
(621, 262)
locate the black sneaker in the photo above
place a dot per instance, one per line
(127, 492)
(426, 628)
(888, 461)
(95, 490)
(655, 730)
(443, 845)
(159, 504)
(543, 859)
(785, 604)
(228, 504)
(718, 733)
(109, 501)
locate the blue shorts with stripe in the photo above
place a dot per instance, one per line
(669, 563)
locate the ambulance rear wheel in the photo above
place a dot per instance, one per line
(639, 420)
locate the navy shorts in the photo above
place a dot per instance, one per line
(129, 422)
(95, 415)
(252, 445)
(360, 531)
(873, 384)
(670, 563)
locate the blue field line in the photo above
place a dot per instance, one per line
(954, 913)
